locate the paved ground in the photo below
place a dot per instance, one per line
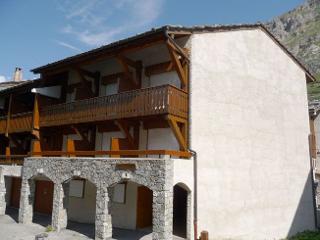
(11, 230)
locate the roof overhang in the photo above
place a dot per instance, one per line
(157, 35)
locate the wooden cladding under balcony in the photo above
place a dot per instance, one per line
(158, 100)
(18, 123)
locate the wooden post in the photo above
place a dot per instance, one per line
(115, 146)
(8, 116)
(8, 153)
(204, 235)
(35, 119)
(35, 148)
(71, 148)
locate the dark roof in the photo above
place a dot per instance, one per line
(164, 30)
(9, 84)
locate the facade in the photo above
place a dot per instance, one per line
(177, 130)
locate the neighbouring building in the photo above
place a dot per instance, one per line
(175, 130)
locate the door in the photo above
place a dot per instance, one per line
(144, 207)
(15, 192)
(43, 197)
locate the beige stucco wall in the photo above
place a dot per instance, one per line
(83, 209)
(124, 215)
(249, 125)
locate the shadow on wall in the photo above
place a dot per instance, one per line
(304, 218)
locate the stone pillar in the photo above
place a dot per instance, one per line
(26, 201)
(2, 194)
(60, 206)
(103, 217)
(163, 204)
(162, 215)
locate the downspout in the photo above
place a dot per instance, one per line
(195, 193)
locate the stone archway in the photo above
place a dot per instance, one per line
(131, 208)
(182, 211)
(37, 194)
(75, 206)
(157, 175)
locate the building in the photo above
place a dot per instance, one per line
(181, 129)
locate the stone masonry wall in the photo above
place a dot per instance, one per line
(156, 174)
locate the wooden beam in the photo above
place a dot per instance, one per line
(137, 65)
(177, 132)
(86, 83)
(8, 153)
(181, 51)
(80, 133)
(35, 148)
(71, 147)
(8, 116)
(125, 129)
(178, 66)
(159, 68)
(115, 146)
(36, 117)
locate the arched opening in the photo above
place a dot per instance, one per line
(41, 190)
(79, 203)
(12, 197)
(131, 208)
(181, 210)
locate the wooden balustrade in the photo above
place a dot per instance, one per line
(21, 122)
(158, 100)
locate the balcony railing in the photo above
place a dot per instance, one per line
(158, 100)
(21, 122)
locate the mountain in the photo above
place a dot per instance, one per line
(299, 31)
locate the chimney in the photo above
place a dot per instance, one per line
(17, 75)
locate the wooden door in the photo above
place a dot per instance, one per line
(43, 197)
(15, 192)
(144, 207)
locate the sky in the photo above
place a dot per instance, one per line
(36, 32)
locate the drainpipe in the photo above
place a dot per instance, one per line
(195, 193)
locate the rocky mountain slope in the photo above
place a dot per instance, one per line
(299, 31)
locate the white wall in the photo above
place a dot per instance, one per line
(124, 215)
(250, 128)
(83, 209)
(8, 185)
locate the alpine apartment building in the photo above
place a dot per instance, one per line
(175, 130)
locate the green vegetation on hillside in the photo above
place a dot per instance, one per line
(307, 235)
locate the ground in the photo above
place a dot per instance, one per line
(11, 230)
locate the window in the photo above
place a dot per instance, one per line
(119, 193)
(77, 188)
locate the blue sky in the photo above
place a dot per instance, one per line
(36, 32)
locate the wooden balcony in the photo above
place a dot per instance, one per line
(21, 122)
(158, 100)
